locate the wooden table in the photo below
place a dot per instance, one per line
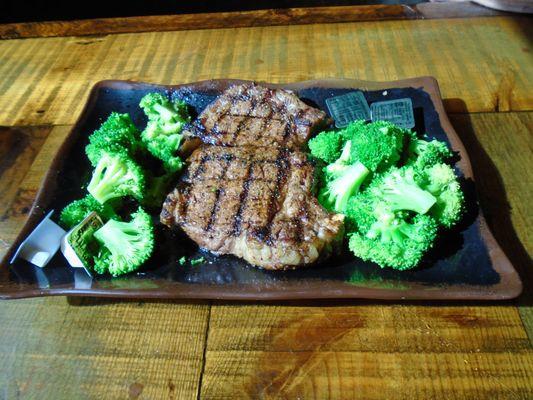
(61, 348)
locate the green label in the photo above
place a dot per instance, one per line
(82, 241)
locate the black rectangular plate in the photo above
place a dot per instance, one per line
(467, 263)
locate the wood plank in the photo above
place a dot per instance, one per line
(367, 352)
(501, 150)
(482, 64)
(101, 349)
(18, 148)
(22, 179)
(158, 23)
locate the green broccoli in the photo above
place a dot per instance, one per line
(162, 134)
(337, 192)
(156, 189)
(125, 245)
(118, 133)
(337, 168)
(101, 260)
(423, 154)
(377, 145)
(326, 146)
(359, 212)
(342, 180)
(367, 148)
(399, 189)
(392, 241)
(441, 181)
(116, 175)
(76, 211)
(196, 261)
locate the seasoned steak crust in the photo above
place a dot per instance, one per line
(253, 202)
(247, 190)
(249, 114)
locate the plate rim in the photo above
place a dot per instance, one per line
(509, 287)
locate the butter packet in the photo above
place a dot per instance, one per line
(41, 244)
(78, 246)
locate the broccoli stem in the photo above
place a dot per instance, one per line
(338, 167)
(115, 234)
(345, 154)
(403, 196)
(347, 184)
(165, 114)
(105, 177)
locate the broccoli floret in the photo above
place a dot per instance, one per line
(125, 245)
(326, 146)
(367, 148)
(441, 181)
(393, 242)
(377, 145)
(337, 168)
(342, 181)
(157, 189)
(162, 134)
(400, 191)
(76, 211)
(101, 260)
(335, 195)
(359, 212)
(116, 175)
(116, 133)
(423, 154)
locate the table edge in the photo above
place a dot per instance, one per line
(239, 19)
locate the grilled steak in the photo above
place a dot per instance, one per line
(248, 114)
(248, 190)
(253, 202)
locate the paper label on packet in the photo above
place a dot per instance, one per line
(348, 107)
(399, 112)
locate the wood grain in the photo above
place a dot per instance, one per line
(158, 23)
(481, 66)
(100, 349)
(367, 352)
(20, 182)
(270, 17)
(501, 151)
(18, 149)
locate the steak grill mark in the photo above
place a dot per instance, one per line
(237, 221)
(220, 189)
(265, 233)
(196, 174)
